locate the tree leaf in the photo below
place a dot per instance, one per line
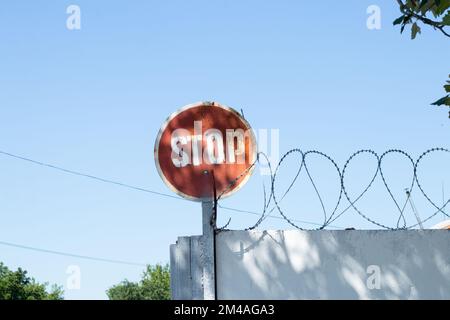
(440, 8)
(398, 20)
(446, 19)
(423, 3)
(414, 30)
(425, 6)
(442, 101)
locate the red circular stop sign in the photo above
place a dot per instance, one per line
(205, 146)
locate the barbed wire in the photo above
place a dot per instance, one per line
(272, 203)
(330, 217)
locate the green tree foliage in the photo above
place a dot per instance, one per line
(444, 100)
(154, 285)
(16, 285)
(435, 14)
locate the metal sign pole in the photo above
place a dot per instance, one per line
(208, 251)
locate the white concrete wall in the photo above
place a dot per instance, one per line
(333, 264)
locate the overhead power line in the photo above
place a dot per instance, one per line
(66, 254)
(51, 166)
(128, 186)
(276, 217)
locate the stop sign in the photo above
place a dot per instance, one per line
(204, 146)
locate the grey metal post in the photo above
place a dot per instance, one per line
(208, 251)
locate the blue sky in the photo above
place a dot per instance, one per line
(93, 100)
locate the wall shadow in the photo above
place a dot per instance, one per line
(326, 264)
